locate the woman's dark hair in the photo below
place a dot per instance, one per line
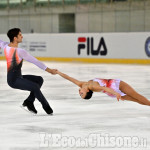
(89, 94)
(13, 33)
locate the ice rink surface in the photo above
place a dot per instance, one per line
(99, 123)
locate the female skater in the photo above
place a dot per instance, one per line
(111, 87)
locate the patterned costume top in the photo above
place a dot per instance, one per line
(15, 56)
(110, 83)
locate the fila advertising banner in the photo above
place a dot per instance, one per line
(92, 46)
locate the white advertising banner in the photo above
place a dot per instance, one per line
(87, 45)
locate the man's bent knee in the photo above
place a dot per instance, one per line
(40, 80)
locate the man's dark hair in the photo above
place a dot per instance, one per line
(88, 94)
(13, 33)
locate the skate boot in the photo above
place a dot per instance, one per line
(30, 106)
(48, 109)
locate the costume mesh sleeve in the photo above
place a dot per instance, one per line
(26, 56)
(3, 44)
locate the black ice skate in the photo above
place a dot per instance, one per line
(48, 109)
(30, 106)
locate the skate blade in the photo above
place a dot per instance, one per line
(26, 109)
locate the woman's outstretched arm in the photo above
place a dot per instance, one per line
(97, 88)
(73, 80)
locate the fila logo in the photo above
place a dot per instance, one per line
(88, 43)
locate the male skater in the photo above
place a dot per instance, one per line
(15, 79)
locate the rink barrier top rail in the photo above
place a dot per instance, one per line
(92, 60)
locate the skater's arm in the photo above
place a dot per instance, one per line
(97, 88)
(3, 44)
(73, 80)
(52, 71)
(26, 56)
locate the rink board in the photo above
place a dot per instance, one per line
(88, 47)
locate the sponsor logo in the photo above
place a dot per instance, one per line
(147, 46)
(89, 45)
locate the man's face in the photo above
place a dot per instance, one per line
(19, 38)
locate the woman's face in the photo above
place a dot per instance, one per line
(82, 92)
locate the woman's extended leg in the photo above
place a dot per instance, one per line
(132, 95)
(129, 98)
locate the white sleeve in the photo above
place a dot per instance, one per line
(26, 56)
(3, 44)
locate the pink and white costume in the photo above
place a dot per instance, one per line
(110, 83)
